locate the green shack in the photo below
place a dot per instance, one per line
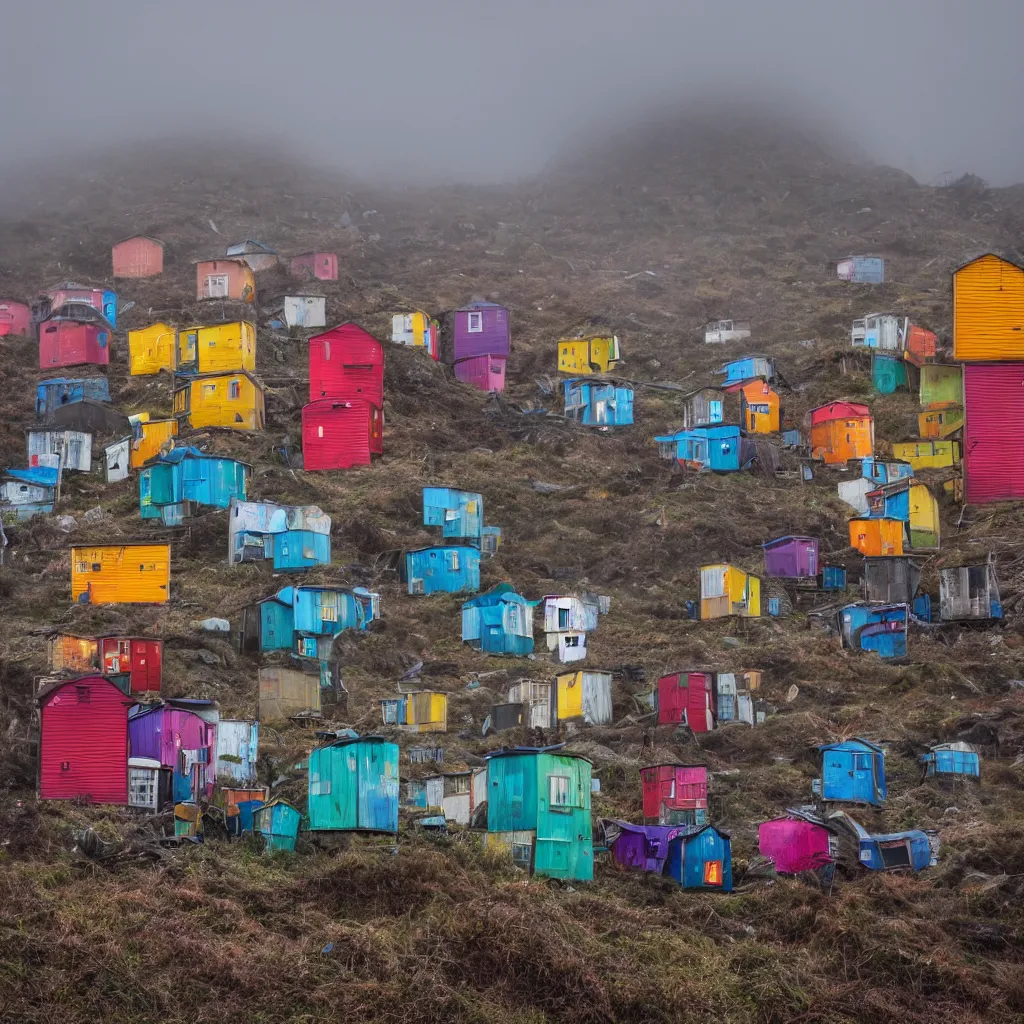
(353, 785)
(941, 385)
(538, 805)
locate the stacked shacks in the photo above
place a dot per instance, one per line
(343, 424)
(453, 568)
(482, 340)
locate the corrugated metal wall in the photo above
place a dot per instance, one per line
(994, 432)
(988, 310)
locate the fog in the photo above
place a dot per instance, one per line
(477, 90)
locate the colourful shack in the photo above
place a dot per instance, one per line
(941, 386)
(598, 402)
(353, 785)
(138, 658)
(928, 454)
(791, 557)
(171, 484)
(912, 503)
(994, 428)
(675, 794)
(738, 372)
(499, 622)
(83, 741)
(341, 433)
(888, 373)
(640, 847)
(881, 628)
(760, 408)
(120, 573)
(685, 698)
(15, 318)
(138, 256)
(151, 438)
(451, 570)
(66, 342)
(220, 348)
(152, 349)
(588, 355)
(940, 422)
(232, 400)
(797, 842)
(418, 711)
(713, 449)
(292, 537)
(182, 736)
(460, 514)
(874, 537)
(700, 857)
(278, 823)
(346, 362)
(54, 394)
(322, 266)
(956, 760)
(841, 431)
(726, 590)
(416, 330)
(225, 278)
(988, 311)
(859, 269)
(538, 807)
(969, 592)
(852, 772)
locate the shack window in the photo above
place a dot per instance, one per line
(216, 286)
(861, 762)
(209, 390)
(559, 791)
(460, 783)
(453, 561)
(327, 350)
(713, 872)
(475, 323)
(572, 641)
(96, 566)
(563, 618)
(84, 694)
(234, 389)
(320, 431)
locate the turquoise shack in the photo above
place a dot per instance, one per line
(701, 858)
(170, 485)
(353, 785)
(499, 622)
(278, 823)
(538, 806)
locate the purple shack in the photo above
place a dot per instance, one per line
(482, 340)
(640, 847)
(180, 738)
(791, 557)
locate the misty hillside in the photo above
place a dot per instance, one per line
(649, 234)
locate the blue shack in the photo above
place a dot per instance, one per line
(897, 851)
(874, 627)
(700, 857)
(953, 760)
(52, 394)
(598, 401)
(278, 823)
(852, 772)
(499, 622)
(718, 449)
(885, 472)
(293, 537)
(170, 484)
(888, 373)
(295, 617)
(353, 785)
(454, 570)
(742, 371)
(25, 493)
(460, 514)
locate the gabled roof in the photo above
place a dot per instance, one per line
(148, 238)
(183, 380)
(178, 455)
(49, 688)
(671, 764)
(344, 741)
(786, 539)
(250, 245)
(688, 832)
(985, 255)
(856, 739)
(42, 476)
(554, 748)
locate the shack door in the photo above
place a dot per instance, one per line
(145, 665)
(863, 779)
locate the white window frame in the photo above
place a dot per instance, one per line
(216, 286)
(559, 791)
(475, 322)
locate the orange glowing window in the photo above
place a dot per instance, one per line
(713, 872)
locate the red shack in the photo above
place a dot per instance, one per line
(71, 342)
(674, 793)
(340, 434)
(15, 318)
(684, 698)
(320, 265)
(83, 741)
(138, 256)
(141, 657)
(346, 362)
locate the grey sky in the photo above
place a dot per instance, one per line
(485, 90)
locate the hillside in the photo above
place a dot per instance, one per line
(650, 234)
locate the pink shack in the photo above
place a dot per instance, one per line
(138, 256)
(797, 842)
(320, 265)
(15, 318)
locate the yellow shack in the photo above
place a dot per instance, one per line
(155, 434)
(233, 400)
(877, 537)
(217, 349)
(121, 573)
(726, 590)
(940, 422)
(988, 310)
(151, 349)
(928, 454)
(588, 355)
